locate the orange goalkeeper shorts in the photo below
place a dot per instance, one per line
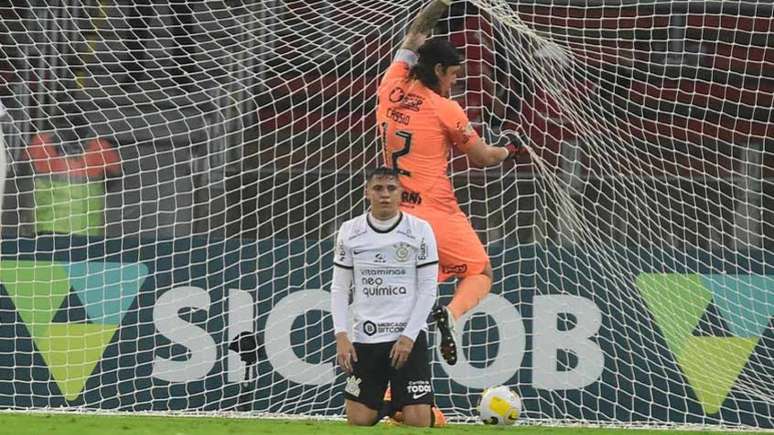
(460, 251)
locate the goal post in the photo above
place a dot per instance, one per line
(177, 170)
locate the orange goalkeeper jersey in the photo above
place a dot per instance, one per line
(418, 128)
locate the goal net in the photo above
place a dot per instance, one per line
(175, 171)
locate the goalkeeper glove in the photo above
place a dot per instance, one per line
(513, 142)
(515, 149)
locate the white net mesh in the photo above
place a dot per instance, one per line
(176, 170)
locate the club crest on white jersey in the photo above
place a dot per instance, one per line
(384, 264)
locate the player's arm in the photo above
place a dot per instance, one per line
(508, 145)
(464, 136)
(420, 28)
(345, 351)
(482, 154)
(424, 23)
(340, 285)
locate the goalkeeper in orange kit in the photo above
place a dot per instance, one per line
(419, 125)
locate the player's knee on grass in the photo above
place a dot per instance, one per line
(360, 415)
(417, 415)
(360, 420)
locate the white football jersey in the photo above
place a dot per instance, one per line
(384, 264)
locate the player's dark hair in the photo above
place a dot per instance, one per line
(381, 171)
(431, 53)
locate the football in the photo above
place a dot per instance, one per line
(499, 405)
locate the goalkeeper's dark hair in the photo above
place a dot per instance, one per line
(431, 53)
(381, 171)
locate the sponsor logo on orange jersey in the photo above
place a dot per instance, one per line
(454, 268)
(411, 197)
(396, 95)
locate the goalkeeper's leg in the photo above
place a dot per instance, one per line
(461, 254)
(470, 291)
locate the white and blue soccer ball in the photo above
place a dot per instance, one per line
(499, 406)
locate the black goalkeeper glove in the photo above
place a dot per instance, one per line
(512, 141)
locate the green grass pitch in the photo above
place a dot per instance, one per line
(79, 424)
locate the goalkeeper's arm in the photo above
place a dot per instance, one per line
(424, 23)
(508, 146)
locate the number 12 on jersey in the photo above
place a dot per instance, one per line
(392, 156)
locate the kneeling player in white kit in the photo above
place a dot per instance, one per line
(390, 261)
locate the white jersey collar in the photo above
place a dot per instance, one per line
(383, 226)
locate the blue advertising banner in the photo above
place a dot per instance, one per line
(139, 325)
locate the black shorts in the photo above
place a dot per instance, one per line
(410, 384)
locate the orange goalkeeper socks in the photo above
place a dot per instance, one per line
(470, 291)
